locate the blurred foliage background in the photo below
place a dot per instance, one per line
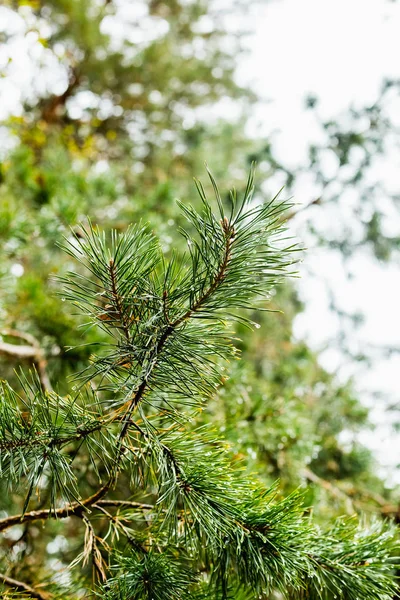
(123, 102)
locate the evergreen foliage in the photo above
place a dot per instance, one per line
(188, 522)
(111, 126)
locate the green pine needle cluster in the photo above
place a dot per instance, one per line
(188, 522)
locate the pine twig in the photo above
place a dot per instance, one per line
(385, 509)
(169, 330)
(333, 490)
(73, 509)
(229, 232)
(24, 587)
(32, 352)
(118, 302)
(50, 110)
(121, 526)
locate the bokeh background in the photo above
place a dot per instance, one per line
(108, 110)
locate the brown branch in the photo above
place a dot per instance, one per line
(73, 509)
(392, 512)
(333, 491)
(32, 352)
(24, 587)
(18, 351)
(380, 500)
(384, 508)
(51, 108)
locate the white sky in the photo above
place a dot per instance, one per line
(340, 50)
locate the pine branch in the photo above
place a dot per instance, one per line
(24, 352)
(24, 587)
(150, 575)
(35, 429)
(121, 526)
(52, 110)
(269, 545)
(169, 330)
(72, 509)
(133, 402)
(333, 490)
(169, 324)
(229, 233)
(120, 313)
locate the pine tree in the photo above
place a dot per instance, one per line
(171, 514)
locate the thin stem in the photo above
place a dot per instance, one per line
(50, 442)
(73, 509)
(24, 587)
(334, 491)
(24, 352)
(220, 276)
(117, 300)
(125, 504)
(122, 527)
